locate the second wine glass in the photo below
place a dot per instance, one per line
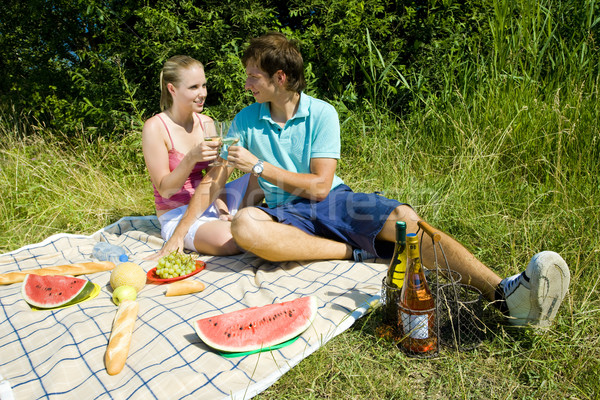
(230, 137)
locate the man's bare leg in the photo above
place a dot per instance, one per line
(256, 232)
(532, 297)
(473, 271)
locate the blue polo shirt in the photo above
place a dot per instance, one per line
(313, 132)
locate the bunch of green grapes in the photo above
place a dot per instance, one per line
(174, 265)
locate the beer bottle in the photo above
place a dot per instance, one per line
(417, 306)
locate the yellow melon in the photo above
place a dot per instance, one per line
(129, 274)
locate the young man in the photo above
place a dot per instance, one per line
(291, 142)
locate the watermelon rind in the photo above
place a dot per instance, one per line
(227, 354)
(257, 328)
(39, 285)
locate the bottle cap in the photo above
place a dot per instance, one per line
(401, 231)
(123, 258)
(412, 239)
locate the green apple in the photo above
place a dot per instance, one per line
(124, 292)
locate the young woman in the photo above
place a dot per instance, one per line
(178, 156)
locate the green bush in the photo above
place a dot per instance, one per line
(95, 65)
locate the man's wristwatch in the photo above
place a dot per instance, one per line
(258, 168)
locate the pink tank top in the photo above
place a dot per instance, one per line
(184, 195)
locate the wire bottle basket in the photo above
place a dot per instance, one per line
(457, 321)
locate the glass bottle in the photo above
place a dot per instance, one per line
(417, 306)
(397, 268)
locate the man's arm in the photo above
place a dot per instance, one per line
(314, 185)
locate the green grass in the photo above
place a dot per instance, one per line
(507, 187)
(58, 183)
(508, 175)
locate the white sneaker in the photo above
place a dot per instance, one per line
(534, 296)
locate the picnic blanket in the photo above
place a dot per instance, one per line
(60, 353)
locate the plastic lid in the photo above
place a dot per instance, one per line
(411, 238)
(123, 258)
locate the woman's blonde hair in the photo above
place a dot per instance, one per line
(171, 73)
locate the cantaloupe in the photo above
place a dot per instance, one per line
(129, 274)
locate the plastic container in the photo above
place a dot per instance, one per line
(104, 251)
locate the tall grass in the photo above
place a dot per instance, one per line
(51, 183)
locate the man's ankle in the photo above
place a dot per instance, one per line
(500, 299)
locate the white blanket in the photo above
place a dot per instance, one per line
(60, 353)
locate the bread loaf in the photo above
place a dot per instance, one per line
(120, 336)
(67, 269)
(184, 287)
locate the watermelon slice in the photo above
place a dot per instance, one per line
(52, 291)
(257, 328)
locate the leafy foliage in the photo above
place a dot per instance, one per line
(94, 65)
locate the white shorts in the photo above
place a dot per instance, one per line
(168, 221)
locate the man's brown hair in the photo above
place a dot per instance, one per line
(273, 52)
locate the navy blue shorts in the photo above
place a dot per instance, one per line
(343, 216)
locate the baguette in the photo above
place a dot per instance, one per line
(120, 336)
(67, 269)
(184, 287)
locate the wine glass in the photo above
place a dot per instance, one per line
(213, 132)
(229, 138)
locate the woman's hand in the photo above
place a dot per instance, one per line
(205, 151)
(225, 216)
(173, 244)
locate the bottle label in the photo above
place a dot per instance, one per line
(416, 325)
(398, 274)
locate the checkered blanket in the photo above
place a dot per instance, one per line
(60, 353)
